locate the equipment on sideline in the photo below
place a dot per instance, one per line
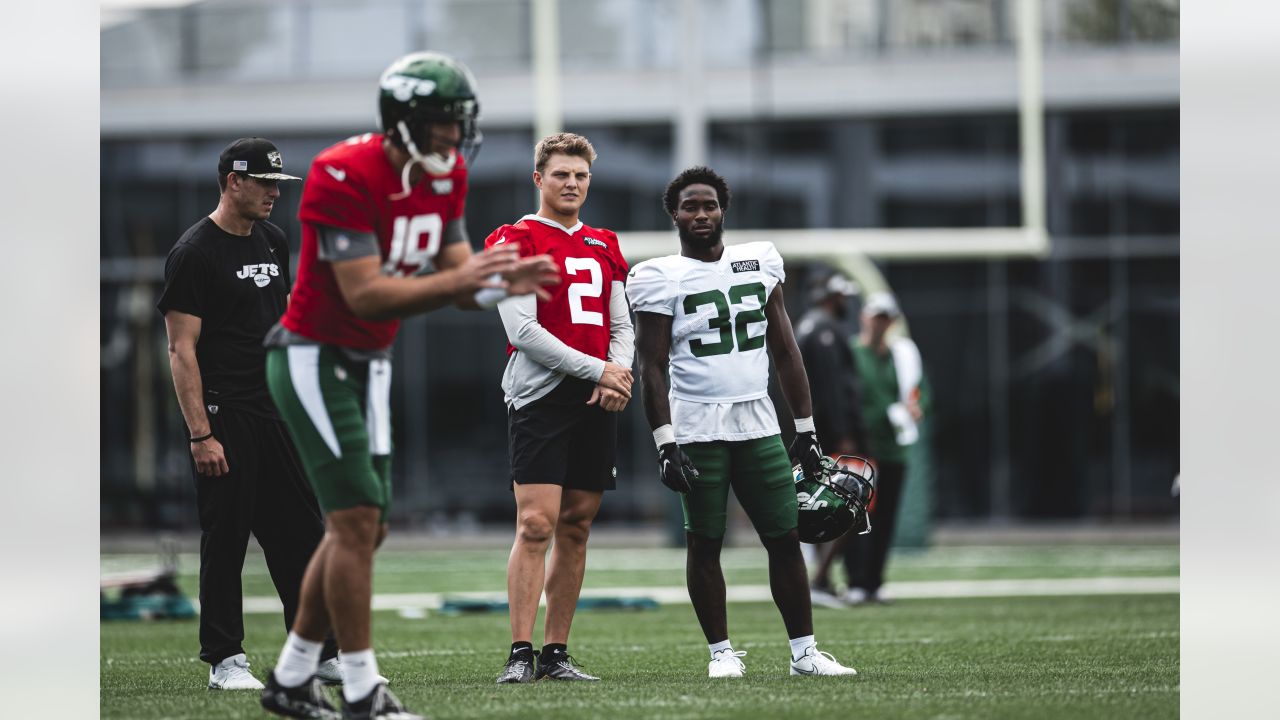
(837, 500)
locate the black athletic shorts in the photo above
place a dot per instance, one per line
(560, 440)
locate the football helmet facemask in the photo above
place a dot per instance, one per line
(836, 501)
(422, 89)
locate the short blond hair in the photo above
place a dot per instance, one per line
(565, 144)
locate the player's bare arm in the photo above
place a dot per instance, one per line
(371, 295)
(184, 332)
(653, 346)
(781, 342)
(653, 349)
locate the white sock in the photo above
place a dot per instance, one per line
(717, 647)
(298, 660)
(800, 645)
(359, 674)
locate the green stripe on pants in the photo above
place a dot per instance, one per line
(324, 401)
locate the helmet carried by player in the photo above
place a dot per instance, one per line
(837, 501)
(422, 89)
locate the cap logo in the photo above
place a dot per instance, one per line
(274, 158)
(403, 88)
(241, 165)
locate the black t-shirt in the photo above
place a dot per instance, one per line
(238, 286)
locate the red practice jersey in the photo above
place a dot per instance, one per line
(590, 260)
(350, 186)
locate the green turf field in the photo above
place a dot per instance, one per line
(1030, 657)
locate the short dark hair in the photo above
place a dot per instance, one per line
(222, 182)
(697, 175)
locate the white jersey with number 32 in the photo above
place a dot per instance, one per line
(718, 352)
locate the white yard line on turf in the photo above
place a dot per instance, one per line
(678, 595)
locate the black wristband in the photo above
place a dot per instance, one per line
(202, 438)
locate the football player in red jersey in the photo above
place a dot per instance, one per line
(568, 374)
(383, 238)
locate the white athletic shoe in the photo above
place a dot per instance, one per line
(817, 662)
(233, 674)
(329, 672)
(855, 596)
(822, 597)
(726, 663)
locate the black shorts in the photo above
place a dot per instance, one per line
(560, 440)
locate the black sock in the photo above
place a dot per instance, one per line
(519, 647)
(552, 648)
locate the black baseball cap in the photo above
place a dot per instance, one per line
(255, 157)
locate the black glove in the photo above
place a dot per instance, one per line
(675, 468)
(807, 453)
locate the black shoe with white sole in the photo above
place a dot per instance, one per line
(379, 704)
(305, 701)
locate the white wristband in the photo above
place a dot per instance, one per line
(804, 425)
(663, 435)
(489, 297)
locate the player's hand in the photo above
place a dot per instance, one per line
(210, 458)
(675, 468)
(485, 270)
(616, 378)
(531, 274)
(609, 400)
(807, 453)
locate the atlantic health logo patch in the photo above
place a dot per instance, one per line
(745, 266)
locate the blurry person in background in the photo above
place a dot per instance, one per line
(823, 338)
(708, 321)
(895, 399)
(568, 375)
(383, 238)
(226, 282)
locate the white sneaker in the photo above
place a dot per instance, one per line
(822, 597)
(233, 674)
(329, 672)
(725, 663)
(816, 662)
(854, 596)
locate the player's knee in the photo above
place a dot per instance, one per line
(704, 546)
(535, 528)
(357, 527)
(787, 542)
(574, 528)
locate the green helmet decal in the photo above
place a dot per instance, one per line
(837, 501)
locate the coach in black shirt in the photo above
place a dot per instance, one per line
(226, 282)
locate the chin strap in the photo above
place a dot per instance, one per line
(433, 163)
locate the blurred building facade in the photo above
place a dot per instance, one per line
(1056, 379)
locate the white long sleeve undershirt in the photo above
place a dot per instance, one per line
(541, 359)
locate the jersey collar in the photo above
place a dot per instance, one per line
(552, 223)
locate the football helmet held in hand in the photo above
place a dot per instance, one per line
(837, 500)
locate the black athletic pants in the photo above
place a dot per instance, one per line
(267, 494)
(866, 555)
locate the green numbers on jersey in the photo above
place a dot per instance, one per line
(729, 326)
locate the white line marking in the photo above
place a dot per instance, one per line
(679, 595)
